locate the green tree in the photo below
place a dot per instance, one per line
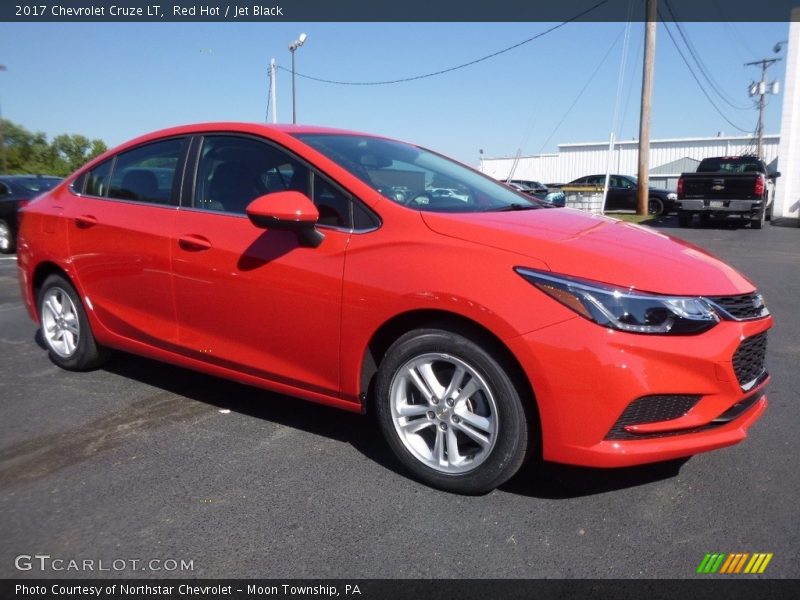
(28, 152)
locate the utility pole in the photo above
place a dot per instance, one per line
(760, 89)
(643, 191)
(273, 100)
(2, 137)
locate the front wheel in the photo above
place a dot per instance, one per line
(65, 327)
(450, 412)
(655, 207)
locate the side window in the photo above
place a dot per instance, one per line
(77, 185)
(146, 174)
(332, 204)
(233, 171)
(97, 180)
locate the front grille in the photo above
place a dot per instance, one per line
(749, 359)
(650, 409)
(742, 307)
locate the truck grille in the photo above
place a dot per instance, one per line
(749, 361)
(742, 307)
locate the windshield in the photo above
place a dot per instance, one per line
(415, 177)
(37, 184)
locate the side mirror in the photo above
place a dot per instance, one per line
(775, 175)
(292, 211)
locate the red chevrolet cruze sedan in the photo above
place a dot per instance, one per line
(365, 273)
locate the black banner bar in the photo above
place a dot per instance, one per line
(707, 588)
(376, 10)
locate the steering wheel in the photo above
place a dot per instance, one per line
(413, 197)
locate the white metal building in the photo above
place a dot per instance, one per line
(668, 158)
(787, 190)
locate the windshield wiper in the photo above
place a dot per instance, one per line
(512, 206)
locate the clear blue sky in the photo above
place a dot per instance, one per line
(115, 81)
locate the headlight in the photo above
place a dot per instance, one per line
(672, 196)
(634, 312)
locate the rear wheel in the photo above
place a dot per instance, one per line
(65, 327)
(450, 412)
(757, 222)
(684, 218)
(7, 241)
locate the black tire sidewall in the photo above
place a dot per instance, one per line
(87, 355)
(658, 202)
(511, 447)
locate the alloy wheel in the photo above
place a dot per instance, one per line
(444, 412)
(60, 324)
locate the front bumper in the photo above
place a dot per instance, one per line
(720, 206)
(585, 377)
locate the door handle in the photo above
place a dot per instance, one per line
(86, 221)
(194, 243)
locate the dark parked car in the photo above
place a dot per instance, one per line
(622, 193)
(529, 183)
(15, 192)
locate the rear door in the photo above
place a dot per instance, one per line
(251, 299)
(120, 224)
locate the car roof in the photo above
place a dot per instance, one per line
(274, 131)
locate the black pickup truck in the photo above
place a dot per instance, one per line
(727, 185)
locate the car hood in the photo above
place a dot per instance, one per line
(599, 248)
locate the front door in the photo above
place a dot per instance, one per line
(250, 299)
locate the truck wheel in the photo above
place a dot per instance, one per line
(757, 222)
(684, 218)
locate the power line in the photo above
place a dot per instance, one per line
(697, 80)
(733, 32)
(457, 67)
(704, 71)
(583, 89)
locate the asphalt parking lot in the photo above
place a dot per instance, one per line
(142, 461)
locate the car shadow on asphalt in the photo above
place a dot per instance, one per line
(536, 480)
(556, 482)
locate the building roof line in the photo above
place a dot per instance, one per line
(737, 138)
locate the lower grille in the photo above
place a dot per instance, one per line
(650, 409)
(749, 360)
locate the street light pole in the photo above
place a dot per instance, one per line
(293, 48)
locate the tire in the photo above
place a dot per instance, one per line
(655, 207)
(684, 219)
(425, 421)
(757, 222)
(65, 327)
(7, 241)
